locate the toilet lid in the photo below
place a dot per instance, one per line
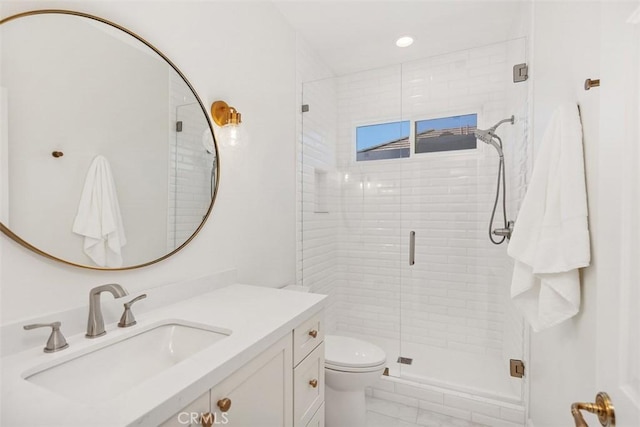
(346, 352)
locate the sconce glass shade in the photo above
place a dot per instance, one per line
(231, 135)
(228, 118)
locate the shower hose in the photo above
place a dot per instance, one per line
(501, 182)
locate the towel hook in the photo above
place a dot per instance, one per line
(588, 84)
(57, 154)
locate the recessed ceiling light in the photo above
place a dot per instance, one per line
(404, 41)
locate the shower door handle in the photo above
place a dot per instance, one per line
(412, 247)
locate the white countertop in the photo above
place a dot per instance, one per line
(257, 316)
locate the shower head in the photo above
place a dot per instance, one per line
(485, 136)
(488, 136)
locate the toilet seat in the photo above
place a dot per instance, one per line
(351, 370)
(348, 354)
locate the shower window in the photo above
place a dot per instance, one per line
(382, 141)
(446, 134)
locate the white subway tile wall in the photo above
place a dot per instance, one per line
(190, 165)
(455, 295)
(317, 240)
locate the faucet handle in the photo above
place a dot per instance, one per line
(127, 318)
(56, 340)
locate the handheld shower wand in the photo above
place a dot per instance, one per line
(489, 137)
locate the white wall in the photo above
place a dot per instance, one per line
(566, 52)
(244, 53)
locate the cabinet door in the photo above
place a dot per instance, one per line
(260, 393)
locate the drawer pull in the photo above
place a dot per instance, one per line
(224, 404)
(313, 333)
(313, 383)
(207, 419)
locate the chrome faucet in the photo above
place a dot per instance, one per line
(95, 325)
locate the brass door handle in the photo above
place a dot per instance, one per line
(313, 383)
(207, 420)
(603, 408)
(313, 333)
(224, 404)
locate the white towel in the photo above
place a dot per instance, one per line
(551, 237)
(98, 218)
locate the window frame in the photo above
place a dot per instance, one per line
(413, 119)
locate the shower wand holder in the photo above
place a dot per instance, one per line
(505, 232)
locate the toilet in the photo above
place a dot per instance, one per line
(350, 365)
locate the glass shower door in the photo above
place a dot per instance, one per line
(459, 329)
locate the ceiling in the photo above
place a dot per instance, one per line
(356, 35)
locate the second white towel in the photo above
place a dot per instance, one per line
(551, 237)
(98, 218)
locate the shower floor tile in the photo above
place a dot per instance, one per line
(383, 413)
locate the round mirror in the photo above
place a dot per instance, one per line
(107, 155)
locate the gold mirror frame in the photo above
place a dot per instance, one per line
(5, 230)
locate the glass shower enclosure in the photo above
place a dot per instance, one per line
(395, 197)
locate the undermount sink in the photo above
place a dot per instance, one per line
(109, 371)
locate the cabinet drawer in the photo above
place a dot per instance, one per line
(308, 387)
(190, 414)
(307, 336)
(318, 418)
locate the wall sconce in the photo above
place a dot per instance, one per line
(229, 119)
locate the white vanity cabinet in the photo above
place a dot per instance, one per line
(272, 390)
(250, 356)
